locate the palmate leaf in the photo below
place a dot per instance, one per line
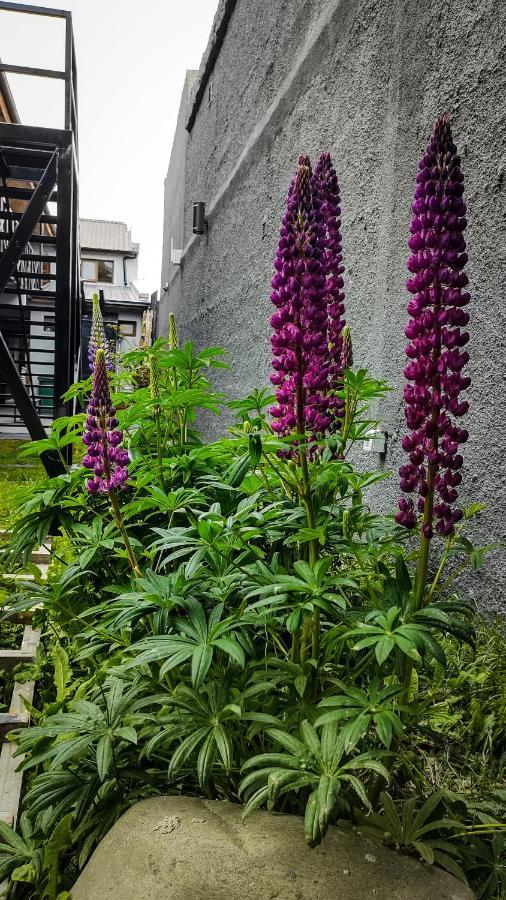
(319, 762)
(198, 639)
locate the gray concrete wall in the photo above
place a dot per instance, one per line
(173, 214)
(366, 80)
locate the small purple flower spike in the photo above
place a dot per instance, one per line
(105, 455)
(437, 336)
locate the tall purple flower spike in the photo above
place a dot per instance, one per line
(436, 333)
(98, 340)
(299, 342)
(328, 200)
(105, 456)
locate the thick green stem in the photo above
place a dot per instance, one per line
(159, 448)
(118, 518)
(444, 560)
(307, 496)
(426, 532)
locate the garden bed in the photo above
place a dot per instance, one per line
(237, 620)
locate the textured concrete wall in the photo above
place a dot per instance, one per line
(365, 80)
(173, 215)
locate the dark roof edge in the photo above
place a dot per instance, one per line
(211, 53)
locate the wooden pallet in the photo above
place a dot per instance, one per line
(17, 716)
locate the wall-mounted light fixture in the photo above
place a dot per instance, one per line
(199, 218)
(376, 442)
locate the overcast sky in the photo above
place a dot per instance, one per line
(132, 56)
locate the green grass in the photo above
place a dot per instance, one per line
(17, 475)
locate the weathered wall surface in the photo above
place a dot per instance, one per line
(173, 213)
(365, 80)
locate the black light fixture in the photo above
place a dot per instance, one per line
(199, 218)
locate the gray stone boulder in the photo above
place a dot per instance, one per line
(181, 848)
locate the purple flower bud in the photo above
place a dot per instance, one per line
(98, 340)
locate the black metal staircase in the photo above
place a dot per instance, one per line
(39, 255)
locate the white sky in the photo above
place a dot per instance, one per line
(132, 56)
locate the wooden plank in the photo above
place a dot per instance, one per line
(18, 715)
(11, 783)
(31, 638)
(40, 556)
(11, 658)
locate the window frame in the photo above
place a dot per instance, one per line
(97, 263)
(128, 334)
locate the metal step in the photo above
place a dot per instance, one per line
(46, 219)
(18, 193)
(48, 239)
(43, 257)
(30, 292)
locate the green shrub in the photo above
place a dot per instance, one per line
(256, 657)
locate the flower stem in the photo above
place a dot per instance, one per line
(159, 448)
(306, 496)
(118, 518)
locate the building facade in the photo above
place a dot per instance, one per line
(365, 81)
(109, 268)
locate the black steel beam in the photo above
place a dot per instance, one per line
(30, 218)
(26, 135)
(63, 300)
(34, 10)
(31, 70)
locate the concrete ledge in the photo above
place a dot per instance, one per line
(182, 848)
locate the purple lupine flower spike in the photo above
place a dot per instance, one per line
(327, 199)
(437, 336)
(98, 340)
(299, 342)
(105, 455)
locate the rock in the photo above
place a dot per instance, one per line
(182, 848)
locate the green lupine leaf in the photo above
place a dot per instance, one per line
(383, 648)
(104, 756)
(201, 660)
(206, 759)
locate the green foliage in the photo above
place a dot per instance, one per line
(245, 628)
(417, 828)
(312, 762)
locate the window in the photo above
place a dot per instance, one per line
(127, 329)
(49, 324)
(98, 270)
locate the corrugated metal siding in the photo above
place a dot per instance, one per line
(115, 292)
(98, 234)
